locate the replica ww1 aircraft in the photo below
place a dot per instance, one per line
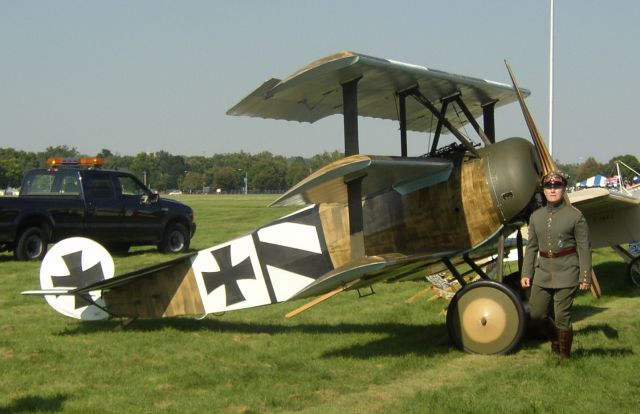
(614, 220)
(364, 219)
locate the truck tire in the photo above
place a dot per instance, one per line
(32, 244)
(175, 239)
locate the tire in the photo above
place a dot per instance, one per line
(175, 239)
(634, 271)
(32, 244)
(486, 317)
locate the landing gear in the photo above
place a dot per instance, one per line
(486, 317)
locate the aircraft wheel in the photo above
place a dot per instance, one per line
(634, 271)
(486, 317)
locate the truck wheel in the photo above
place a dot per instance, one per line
(175, 239)
(31, 245)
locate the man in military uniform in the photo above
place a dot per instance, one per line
(557, 263)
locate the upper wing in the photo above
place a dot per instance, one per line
(402, 174)
(613, 218)
(314, 92)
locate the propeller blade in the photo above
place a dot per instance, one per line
(546, 161)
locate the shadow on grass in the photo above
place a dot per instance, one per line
(614, 280)
(38, 404)
(601, 352)
(580, 312)
(398, 339)
(607, 330)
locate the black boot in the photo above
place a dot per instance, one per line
(565, 339)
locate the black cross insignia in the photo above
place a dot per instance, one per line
(228, 275)
(79, 278)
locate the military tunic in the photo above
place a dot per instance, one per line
(553, 229)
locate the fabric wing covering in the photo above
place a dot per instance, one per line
(314, 92)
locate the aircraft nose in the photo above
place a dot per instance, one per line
(512, 172)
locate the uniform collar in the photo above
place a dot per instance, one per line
(555, 206)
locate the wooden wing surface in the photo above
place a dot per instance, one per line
(314, 92)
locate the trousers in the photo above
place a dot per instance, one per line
(542, 300)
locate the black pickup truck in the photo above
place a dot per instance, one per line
(111, 207)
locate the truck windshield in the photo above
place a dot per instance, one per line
(51, 183)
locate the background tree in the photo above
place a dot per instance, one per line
(297, 169)
(13, 166)
(144, 166)
(589, 168)
(628, 159)
(168, 169)
(60, 151)
(227, 179)
(320, 160)
(193, 181)
(267, 173)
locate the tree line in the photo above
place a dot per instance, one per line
(163, 171)
(264, 171)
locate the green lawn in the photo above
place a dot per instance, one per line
(377, 354)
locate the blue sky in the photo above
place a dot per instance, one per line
(134, 76)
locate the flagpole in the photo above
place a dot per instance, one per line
(551, 81)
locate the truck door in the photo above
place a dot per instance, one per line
(142, 212)
(66, 206)
(103, 221)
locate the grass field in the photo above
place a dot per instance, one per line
(376, 354)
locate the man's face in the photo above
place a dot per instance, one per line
(554, 191)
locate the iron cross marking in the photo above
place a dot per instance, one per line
(228, 275)
(79, 278)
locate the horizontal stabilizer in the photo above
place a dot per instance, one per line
(126, 278)
(402, 174)
(43, 292)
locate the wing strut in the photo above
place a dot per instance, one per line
(403, 124)
(436, 136)
(489, 120)
(351, 147)
(418, 96)
(472, 120)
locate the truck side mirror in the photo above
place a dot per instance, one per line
(149, 198)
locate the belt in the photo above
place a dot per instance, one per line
(559, 253)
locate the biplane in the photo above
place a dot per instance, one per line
(364, 219)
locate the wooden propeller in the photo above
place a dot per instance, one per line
(546, 162)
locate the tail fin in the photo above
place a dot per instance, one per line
(69, 265)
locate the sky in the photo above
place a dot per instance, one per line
(150, 75)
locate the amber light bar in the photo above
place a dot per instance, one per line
(84, 161)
